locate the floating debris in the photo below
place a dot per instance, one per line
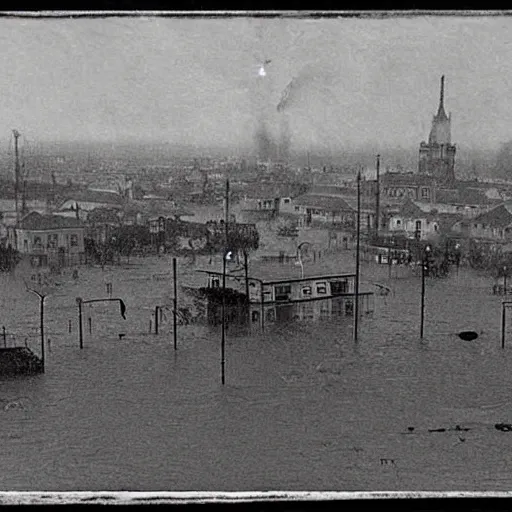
(504, 427)
(468, 335)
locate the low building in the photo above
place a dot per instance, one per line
(49, 239)
(421, 223)
(262, 200)
(324, 208)
(494, 225)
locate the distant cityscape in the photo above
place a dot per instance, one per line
(96, 195)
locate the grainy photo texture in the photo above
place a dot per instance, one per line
(255, 254)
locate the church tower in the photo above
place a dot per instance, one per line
(437, 158)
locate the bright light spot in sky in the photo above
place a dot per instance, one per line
(262, 71)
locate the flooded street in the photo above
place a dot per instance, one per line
(303, 408)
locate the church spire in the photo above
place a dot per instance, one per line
(441, 114)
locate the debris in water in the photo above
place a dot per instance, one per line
(504, 427)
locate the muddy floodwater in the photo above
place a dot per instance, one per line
(303, 408)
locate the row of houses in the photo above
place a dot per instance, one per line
(411, 205)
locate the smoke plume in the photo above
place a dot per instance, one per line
(267, 148)
(311, 81)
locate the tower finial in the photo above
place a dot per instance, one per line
(441, 97)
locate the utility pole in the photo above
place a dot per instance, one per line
(16, 135)
(358, 229)
(41, 322)
(175, 303)
(224, 261)
(377, 199)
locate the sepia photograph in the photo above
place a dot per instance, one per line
(256, 254)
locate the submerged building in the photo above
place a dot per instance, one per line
(437, 157)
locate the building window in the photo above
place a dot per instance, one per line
(339, 287)
(74, 241)
(283, 292)
(37, 241)
(425, 193)
(306, 290)
(321, 288)
(53, 240)
(418, 225)
(286, 201)
(297, 208)
(398, 222)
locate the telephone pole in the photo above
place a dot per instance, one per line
(16, 135)
(377, 199)
(358, 236)
(224, 258)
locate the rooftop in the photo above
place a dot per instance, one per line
(498, 217)
(36, 222)
(330, 203)
(92, 196)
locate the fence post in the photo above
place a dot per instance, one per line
(503, 324)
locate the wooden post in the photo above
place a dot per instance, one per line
(262, 295)
(156, 319)
(69, 326)
(246, 264)
(89, 319)
(41, 305)
(175, 317)
(422, 314)
(358, 229)
(503, 324)
(5, 336)
(80, 328)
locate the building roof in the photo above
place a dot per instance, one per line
(103, 216)
(258, 190)
(329, 203)
(34, 221)
(411, 210)
(332, 190)
(93, 196)
(155, 208)
(405, 179)
(498, 217)
(463, 195)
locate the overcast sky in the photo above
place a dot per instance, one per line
(198, 81)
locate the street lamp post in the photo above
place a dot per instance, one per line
(423, 265)
(81, 301)
(41, 320)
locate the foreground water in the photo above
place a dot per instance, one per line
(303, 408)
